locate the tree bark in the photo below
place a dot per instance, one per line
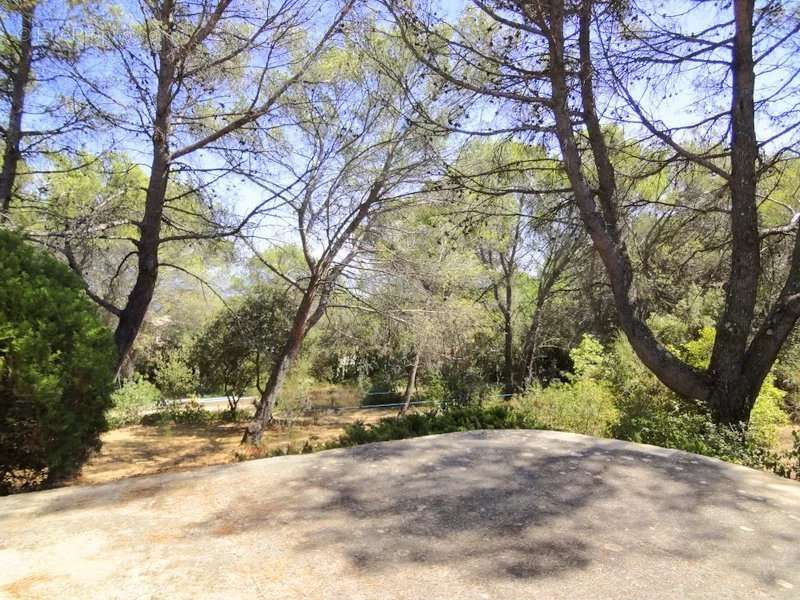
(132, 315)
(732, 398)
(20, 78)
(283, 362)
(411, 384)
(508, 343)
(736, 372)
(601, 225)
(531, 346)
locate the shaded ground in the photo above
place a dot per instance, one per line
(142, 450)
(505, 514)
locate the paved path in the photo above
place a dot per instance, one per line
(505, 515)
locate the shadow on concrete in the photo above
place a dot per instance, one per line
(505, 505)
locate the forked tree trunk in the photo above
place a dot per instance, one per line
(132, 315)
(731, 384)
(411, 384)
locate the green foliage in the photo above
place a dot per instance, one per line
(582, 406)
(788, 464)
(588, 359)
(768, 414)
(434, 387)
(56, 368)
(236, 350)
(174, 374)
(646, 405)
(459, 418)
(787, 375)
(612, 393)
(467, 385)
(129, 402)
(189, 413)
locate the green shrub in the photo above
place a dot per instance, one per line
(130, 402)
(188, 413)
(588, 359)
(788, 464)
(768, 413)
(433, 386)
(56, 369)
(174, 375)
(582, 406)
(458, 418)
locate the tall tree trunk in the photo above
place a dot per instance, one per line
(730, 400)
(13, 137)
(602, 224)
(508, 343)
(531, 346)
(736, 372)
(132, 315)
(283, 362)
(411, 384)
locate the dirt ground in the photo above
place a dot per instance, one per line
(140, 450)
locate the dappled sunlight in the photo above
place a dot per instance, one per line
(142, 450)
(501, 513)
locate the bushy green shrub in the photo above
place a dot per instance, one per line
(433, 386)
(184, 413)
(458, 418)
(582, 406)
(174, 374)
(768, 413)
(584, 402)
(648, 411)
(646, 405)
(56, 368)
(131, 401)
(588, 360)
(466, 385)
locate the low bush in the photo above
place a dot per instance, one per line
(174, 374)
(411, 425)
(788, 463)
(191, 413)
(438, 420)
(583, 406)
(131, 401)
(768, 413)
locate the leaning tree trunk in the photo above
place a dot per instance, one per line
(132, 315)
(19, 81)
(531, 346)
(411, 384)
(269, 398)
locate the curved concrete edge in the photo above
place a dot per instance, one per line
(789, 485)
(480, 514)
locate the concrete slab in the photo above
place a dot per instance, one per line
(478, 515)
